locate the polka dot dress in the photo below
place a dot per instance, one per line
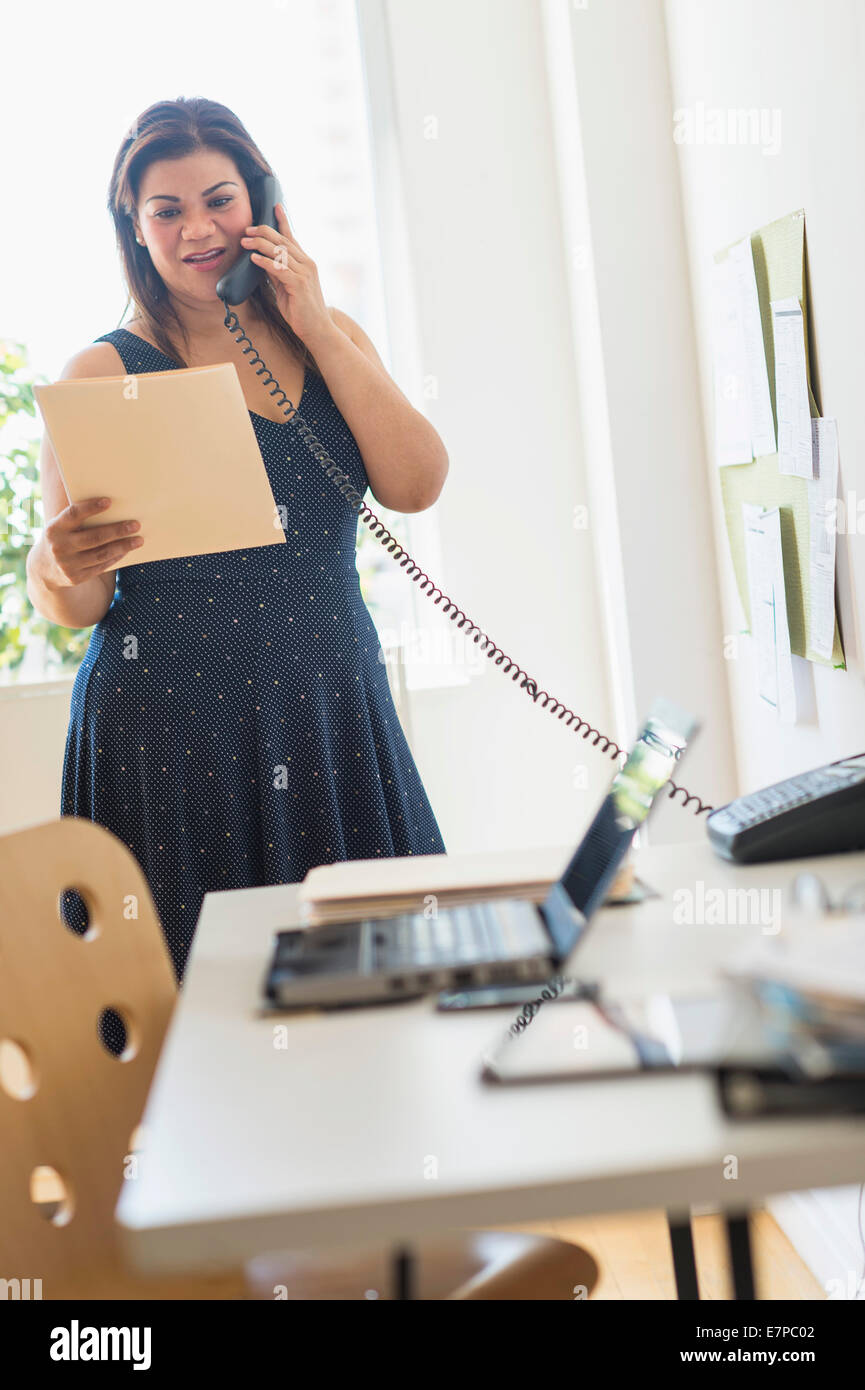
(231, 721)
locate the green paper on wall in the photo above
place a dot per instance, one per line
(779, 267)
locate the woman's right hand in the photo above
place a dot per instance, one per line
(77, 553)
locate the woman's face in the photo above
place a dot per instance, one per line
(189, 206)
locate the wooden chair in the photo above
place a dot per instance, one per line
(71, 1100)
(68, 1106)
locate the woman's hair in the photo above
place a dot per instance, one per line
(169, 130)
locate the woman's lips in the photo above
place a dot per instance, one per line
(207, 262)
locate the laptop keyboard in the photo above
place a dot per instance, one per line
(457, 936)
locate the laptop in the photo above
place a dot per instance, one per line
(505, 940)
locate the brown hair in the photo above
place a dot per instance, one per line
(169, 130)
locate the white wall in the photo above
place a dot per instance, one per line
(493, 327)
(638, 377)
(806, 60)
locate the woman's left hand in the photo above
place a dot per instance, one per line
(294, 277)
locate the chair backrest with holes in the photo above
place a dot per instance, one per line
(67, 1102)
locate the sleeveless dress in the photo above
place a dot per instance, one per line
(231, 721)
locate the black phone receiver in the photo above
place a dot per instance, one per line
(238, 283)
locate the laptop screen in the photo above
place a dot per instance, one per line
(648, 767)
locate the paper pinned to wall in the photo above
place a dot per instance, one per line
(761, 419)
(776, 685)
(791, 389)
(779, 267)
(822, 494)
(732, 411)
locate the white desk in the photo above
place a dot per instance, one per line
(373, 1125)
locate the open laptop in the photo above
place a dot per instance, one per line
(501, 940)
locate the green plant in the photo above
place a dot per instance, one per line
(20, 516)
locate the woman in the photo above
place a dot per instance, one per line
(231, 721)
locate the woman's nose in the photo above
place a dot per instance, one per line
(197, 231)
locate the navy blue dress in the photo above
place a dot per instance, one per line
(231, 721)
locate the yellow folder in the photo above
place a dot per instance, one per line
(175, 450)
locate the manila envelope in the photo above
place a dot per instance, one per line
(174, 450)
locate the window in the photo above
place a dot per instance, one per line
(293, 73)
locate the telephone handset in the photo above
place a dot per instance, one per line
(238, 283)
(235, 286)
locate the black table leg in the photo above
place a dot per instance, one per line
(403, 1273)
(684, 1263)
(741, 1266)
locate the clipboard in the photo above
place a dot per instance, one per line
(175, 450)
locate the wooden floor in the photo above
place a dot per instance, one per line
(633, 1253)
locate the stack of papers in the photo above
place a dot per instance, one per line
(413, 883)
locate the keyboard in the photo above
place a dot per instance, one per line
(510, 929)
(798, 791)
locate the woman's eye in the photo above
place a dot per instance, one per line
(217, 202)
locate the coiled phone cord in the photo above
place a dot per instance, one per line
(427, 585)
